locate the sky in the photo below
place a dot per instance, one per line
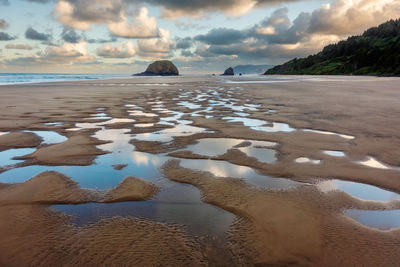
(199, 36)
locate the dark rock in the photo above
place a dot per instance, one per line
(229, 71)
(160, 68)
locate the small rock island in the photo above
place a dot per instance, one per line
(229, 72)
(160, 68)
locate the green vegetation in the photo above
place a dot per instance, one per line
(375, 52)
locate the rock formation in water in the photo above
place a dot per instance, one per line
(229, 71)
(160, 68)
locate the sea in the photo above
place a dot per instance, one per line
(20, 78)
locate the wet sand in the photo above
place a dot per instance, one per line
(301, 226)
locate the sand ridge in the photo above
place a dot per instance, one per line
(76, 150)
(55, 188)
(292, 228)
(36, 236)
(19, 140)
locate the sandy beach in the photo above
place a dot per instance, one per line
(213, 171)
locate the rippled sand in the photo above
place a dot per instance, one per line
(222, 179)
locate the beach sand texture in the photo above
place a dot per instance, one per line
(300, 224)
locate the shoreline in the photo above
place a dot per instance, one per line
(291, 78)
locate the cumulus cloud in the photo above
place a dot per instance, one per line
(222, 36)
(70, 35)
(6, 37)
(101, 40)
(125, 50)
(142, 26)
(156, 47)
(278, 29)
(66, 53)
(66, 56)
(183, 43)
(3, 24)
(181, 8)
(19, 46)
(33, 34)
(344, 17)
(81, 14)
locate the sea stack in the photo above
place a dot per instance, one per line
(160, 68)
(229, 71)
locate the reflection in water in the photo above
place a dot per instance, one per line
(49, 137)
(381, 219)
(235, 107)
(189, 105)
(246, 121)
(6, 157)
(52, 124)
(141, 113)
(101, 175)
(117, 120)
(264, 155)
(307, 160)
(373, 163)
(242, 114)
(276, 127)
(132, 106)
(176, 203)
(212, 147)
(144, 125)
(99, 116)
(226, 169)
(334, 153)
(261, 125)
(168, 135)
(329, 133)
(358, 190)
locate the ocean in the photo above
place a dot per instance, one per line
(18, 78)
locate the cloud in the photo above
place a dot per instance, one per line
(6, 37)
(142, 26)
(80, 14)
(183, 43)
(66, 53)
(125, 50)
(153, 48)
(349, 17)
(32, 34)
(39, 1)
(70, 35)
(116, 15)
(189, 25)
(101, 41)
(19, 46)
(277, 38)
(222, 36)
(278, 29)
(3, 24)
(175, 9)
(4, 2)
